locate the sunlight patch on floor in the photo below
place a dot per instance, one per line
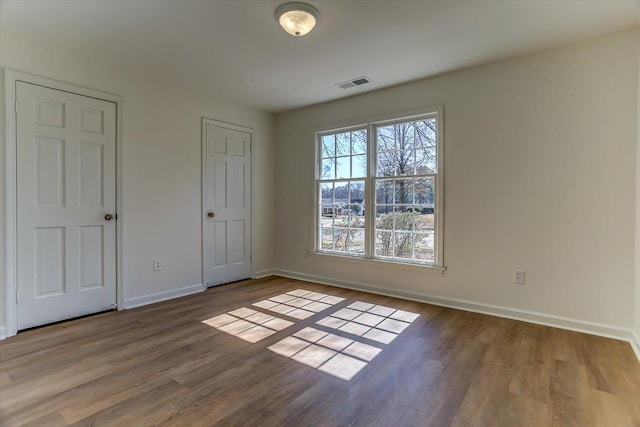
(247, 324)
(338, 355)
(375, 322)
(299, 304)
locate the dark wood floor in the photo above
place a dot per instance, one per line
(159, 365)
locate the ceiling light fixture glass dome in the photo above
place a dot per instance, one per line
(297, 18)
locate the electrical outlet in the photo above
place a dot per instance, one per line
(157, 265)
(518, 277)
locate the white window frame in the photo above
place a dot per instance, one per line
(318, 180)
(370, 126)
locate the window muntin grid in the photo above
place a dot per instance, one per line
(402, 189)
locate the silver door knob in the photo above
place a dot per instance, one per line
(108, 217)
(211, 215)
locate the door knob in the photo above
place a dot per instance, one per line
(211, 215)
(108, 217)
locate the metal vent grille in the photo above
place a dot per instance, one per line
(360, 81)
(346, 85)
(353, 82)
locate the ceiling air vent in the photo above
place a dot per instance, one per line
(354, 82)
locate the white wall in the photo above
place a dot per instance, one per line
(540, 176)
(161, 214)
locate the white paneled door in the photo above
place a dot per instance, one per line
(66, 202)
(226, 204)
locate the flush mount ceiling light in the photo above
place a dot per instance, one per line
(297, 18)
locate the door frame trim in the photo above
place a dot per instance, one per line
(232, 126)
(11, 77)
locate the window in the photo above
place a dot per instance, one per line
(393, 170)
(341, 191)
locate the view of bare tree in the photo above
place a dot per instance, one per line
(406, 161)
(406, 152)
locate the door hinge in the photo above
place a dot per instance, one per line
(17, 295)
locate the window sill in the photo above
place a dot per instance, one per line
(425, 268)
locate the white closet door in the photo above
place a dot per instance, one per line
(227, 205)
(66, 169)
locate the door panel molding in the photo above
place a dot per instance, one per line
(233, 149)
(9, 232)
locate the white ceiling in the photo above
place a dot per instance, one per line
(235, 50)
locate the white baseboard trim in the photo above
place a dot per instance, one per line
(635, 343)
(163, 296)
(3, 333)
(576, 325)
(264, 273)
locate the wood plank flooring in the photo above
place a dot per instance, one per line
(160, 365)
